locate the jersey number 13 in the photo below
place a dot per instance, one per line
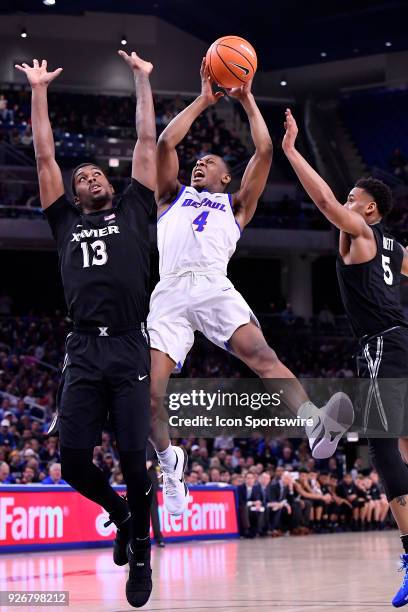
(94, 254)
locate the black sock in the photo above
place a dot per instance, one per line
(404, 541)
(139, 495)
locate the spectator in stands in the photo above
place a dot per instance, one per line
(54, 477)
(117, 477)
(380, 500)
(5, 476)
(5, 436)
(288, 458)
(250, 507)
(215, 475)
(348, 491)
(6, 113)
(287, 315)
(27, 137)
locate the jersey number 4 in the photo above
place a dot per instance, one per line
(201, 221)
(388, 277)
(98, 252)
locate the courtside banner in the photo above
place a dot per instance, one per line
(42, 517)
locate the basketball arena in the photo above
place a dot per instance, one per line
(219, 399)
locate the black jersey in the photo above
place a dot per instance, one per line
(371, 290)
(104, 258)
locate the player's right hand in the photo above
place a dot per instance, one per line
(206, 89)
(37, 74)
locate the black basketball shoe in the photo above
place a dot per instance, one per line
(122, 538)
(139, 584)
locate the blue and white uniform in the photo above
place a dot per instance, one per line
(196, 237)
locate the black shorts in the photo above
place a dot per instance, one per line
(382, 406)
(105, 378)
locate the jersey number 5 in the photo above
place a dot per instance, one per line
(388, 277)
(98, 250)
(201, 221)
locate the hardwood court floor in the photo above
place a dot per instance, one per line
(326, 573)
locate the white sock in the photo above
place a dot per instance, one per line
(167, 457)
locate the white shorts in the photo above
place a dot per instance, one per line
(181, 305)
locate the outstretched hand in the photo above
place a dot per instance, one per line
(288, 142)
(206, 89)
(136, 63)
(242, 92)
(37, 74)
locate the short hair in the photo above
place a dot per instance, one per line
(379, 191)
(75, 170)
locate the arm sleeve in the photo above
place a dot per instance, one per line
(60, 216)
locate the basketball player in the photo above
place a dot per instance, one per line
(104, 258)
(369, 267)
(197, 230)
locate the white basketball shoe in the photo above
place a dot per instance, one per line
(175, 491)
(329, 424)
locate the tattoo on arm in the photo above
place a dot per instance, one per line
(402, 500)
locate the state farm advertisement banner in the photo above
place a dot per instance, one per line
(32, 517)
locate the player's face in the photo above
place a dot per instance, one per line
(93, 189)
(359, 201)
(210, 173)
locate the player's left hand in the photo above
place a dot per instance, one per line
(136, 63)
(240, 93)
(291, 133)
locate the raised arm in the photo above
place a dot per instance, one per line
(257, 171)
(168, 185)
(144, 154)
(49, 173)
(318, 190)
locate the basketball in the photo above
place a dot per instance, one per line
(231, 61)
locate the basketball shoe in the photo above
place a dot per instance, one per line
(329, 424)
(122, 537)
(139, 584)
(401, 598)
(175, 491)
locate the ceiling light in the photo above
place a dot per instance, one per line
(388, 44)
(323, 54)
(49, 2)
(23, 33)
(123, 41)
(283, 83)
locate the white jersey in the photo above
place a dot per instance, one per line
(198, 232)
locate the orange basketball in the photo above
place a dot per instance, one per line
(231, 61)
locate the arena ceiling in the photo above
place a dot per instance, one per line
(284, 32)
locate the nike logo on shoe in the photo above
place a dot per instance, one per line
(143, 377)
